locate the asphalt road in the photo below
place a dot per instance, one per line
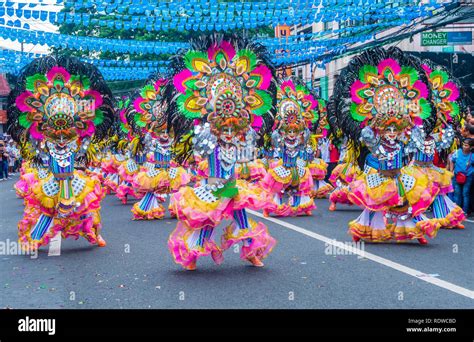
(135, 270)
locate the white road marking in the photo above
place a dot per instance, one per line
(470, 221)
(386, 262)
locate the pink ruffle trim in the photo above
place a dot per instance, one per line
(261, 245)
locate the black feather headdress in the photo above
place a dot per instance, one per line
(51, 96)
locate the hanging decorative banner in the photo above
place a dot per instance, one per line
(12, 62)
(205, 15)
(224, 16)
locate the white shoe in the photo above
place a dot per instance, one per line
(1, 179)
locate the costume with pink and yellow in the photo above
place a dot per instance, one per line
(341, 177)
(60, 105)
(382, 95)
(290, 175)
(221, 91)
(161, 175)
(109, 165)
(134, 160)
(29, 173)
(115, 148)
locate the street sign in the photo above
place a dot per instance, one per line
(434, 38)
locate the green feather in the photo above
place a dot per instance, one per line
(24, 121)
(250, 55)
(288, 90)
(355, 115)
(191, 84)
(361, 93)
(99, 117)
(31, 80)
(316, 117)
(220, 56)
(425, 107)
(267, 103)
(191, 55)
(138, 121)
(302, 88)
(146, 88)
(454, 110)
(123, 128)
(411, 72)
(255, 78)
(85, 81)
(365, 70)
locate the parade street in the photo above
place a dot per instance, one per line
(305, 270)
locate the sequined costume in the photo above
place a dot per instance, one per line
(221, 92)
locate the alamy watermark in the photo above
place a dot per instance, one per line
(28, 324)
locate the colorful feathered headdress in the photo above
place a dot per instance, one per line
(224, 82)
(445, 93)
(297, 108)
(149, 112)
(59, 99)
(381, 88)
(123, 127)
(393, 92)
